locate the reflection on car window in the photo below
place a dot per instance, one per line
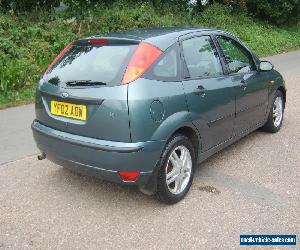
(201, 57)
(238, 58)
(92, 63)
(167, 66)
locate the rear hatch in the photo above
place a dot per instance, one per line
(81, 92)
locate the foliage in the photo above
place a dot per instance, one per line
(274, 11)
(28, 42)
(28, 5)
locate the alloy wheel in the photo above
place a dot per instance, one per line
(277, 111)
(178, 169)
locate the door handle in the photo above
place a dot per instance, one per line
(200, 91)
(243, 85)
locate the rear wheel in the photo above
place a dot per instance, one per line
(176, 172)
(275, 117)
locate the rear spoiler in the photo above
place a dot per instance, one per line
(100, 40)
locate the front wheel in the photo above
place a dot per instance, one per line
(176, 171)
(275, 117)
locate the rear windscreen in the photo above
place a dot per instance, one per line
(84, 66)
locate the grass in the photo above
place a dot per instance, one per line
(16, 98)
(28, 43)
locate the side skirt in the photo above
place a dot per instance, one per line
(204, 155)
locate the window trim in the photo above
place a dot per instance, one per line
(223, 55)
(187, 77)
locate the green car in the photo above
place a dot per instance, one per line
(144, 107)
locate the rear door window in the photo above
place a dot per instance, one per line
(87, 65)
(201, 57)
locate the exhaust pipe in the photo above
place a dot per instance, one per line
(41, 156)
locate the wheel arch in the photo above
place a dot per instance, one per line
(187, 130)
(283, 91)
(192, 134)
(179, 122)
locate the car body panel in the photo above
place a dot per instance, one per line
(213, 112)
(251, 100)
(276, 82)
(168, 95)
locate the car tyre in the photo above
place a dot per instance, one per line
(275, 118)
(176, 169)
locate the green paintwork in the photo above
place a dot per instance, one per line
(107, 119)
(144, 114)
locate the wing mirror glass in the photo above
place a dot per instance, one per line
(265, 66)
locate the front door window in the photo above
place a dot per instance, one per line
(238, 59)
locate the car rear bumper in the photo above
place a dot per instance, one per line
(102, 159)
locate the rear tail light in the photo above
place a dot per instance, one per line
(144, 56)
(129, 176)
(60, 55)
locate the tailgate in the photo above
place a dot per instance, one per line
(106, 111)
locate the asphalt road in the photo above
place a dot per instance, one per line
(252, 187)
(16, 139)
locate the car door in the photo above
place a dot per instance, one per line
(209, 93)
(251, 89)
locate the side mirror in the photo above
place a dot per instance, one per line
(265, 66)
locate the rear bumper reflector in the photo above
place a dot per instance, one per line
(129, 176)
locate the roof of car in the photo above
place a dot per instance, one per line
(160, 37)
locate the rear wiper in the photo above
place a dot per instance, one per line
(84, 83)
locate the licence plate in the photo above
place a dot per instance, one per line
(69, 110)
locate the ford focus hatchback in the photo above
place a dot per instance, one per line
(144, 107)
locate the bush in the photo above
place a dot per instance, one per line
(28, 5)
(26, 49)
(275, 11)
